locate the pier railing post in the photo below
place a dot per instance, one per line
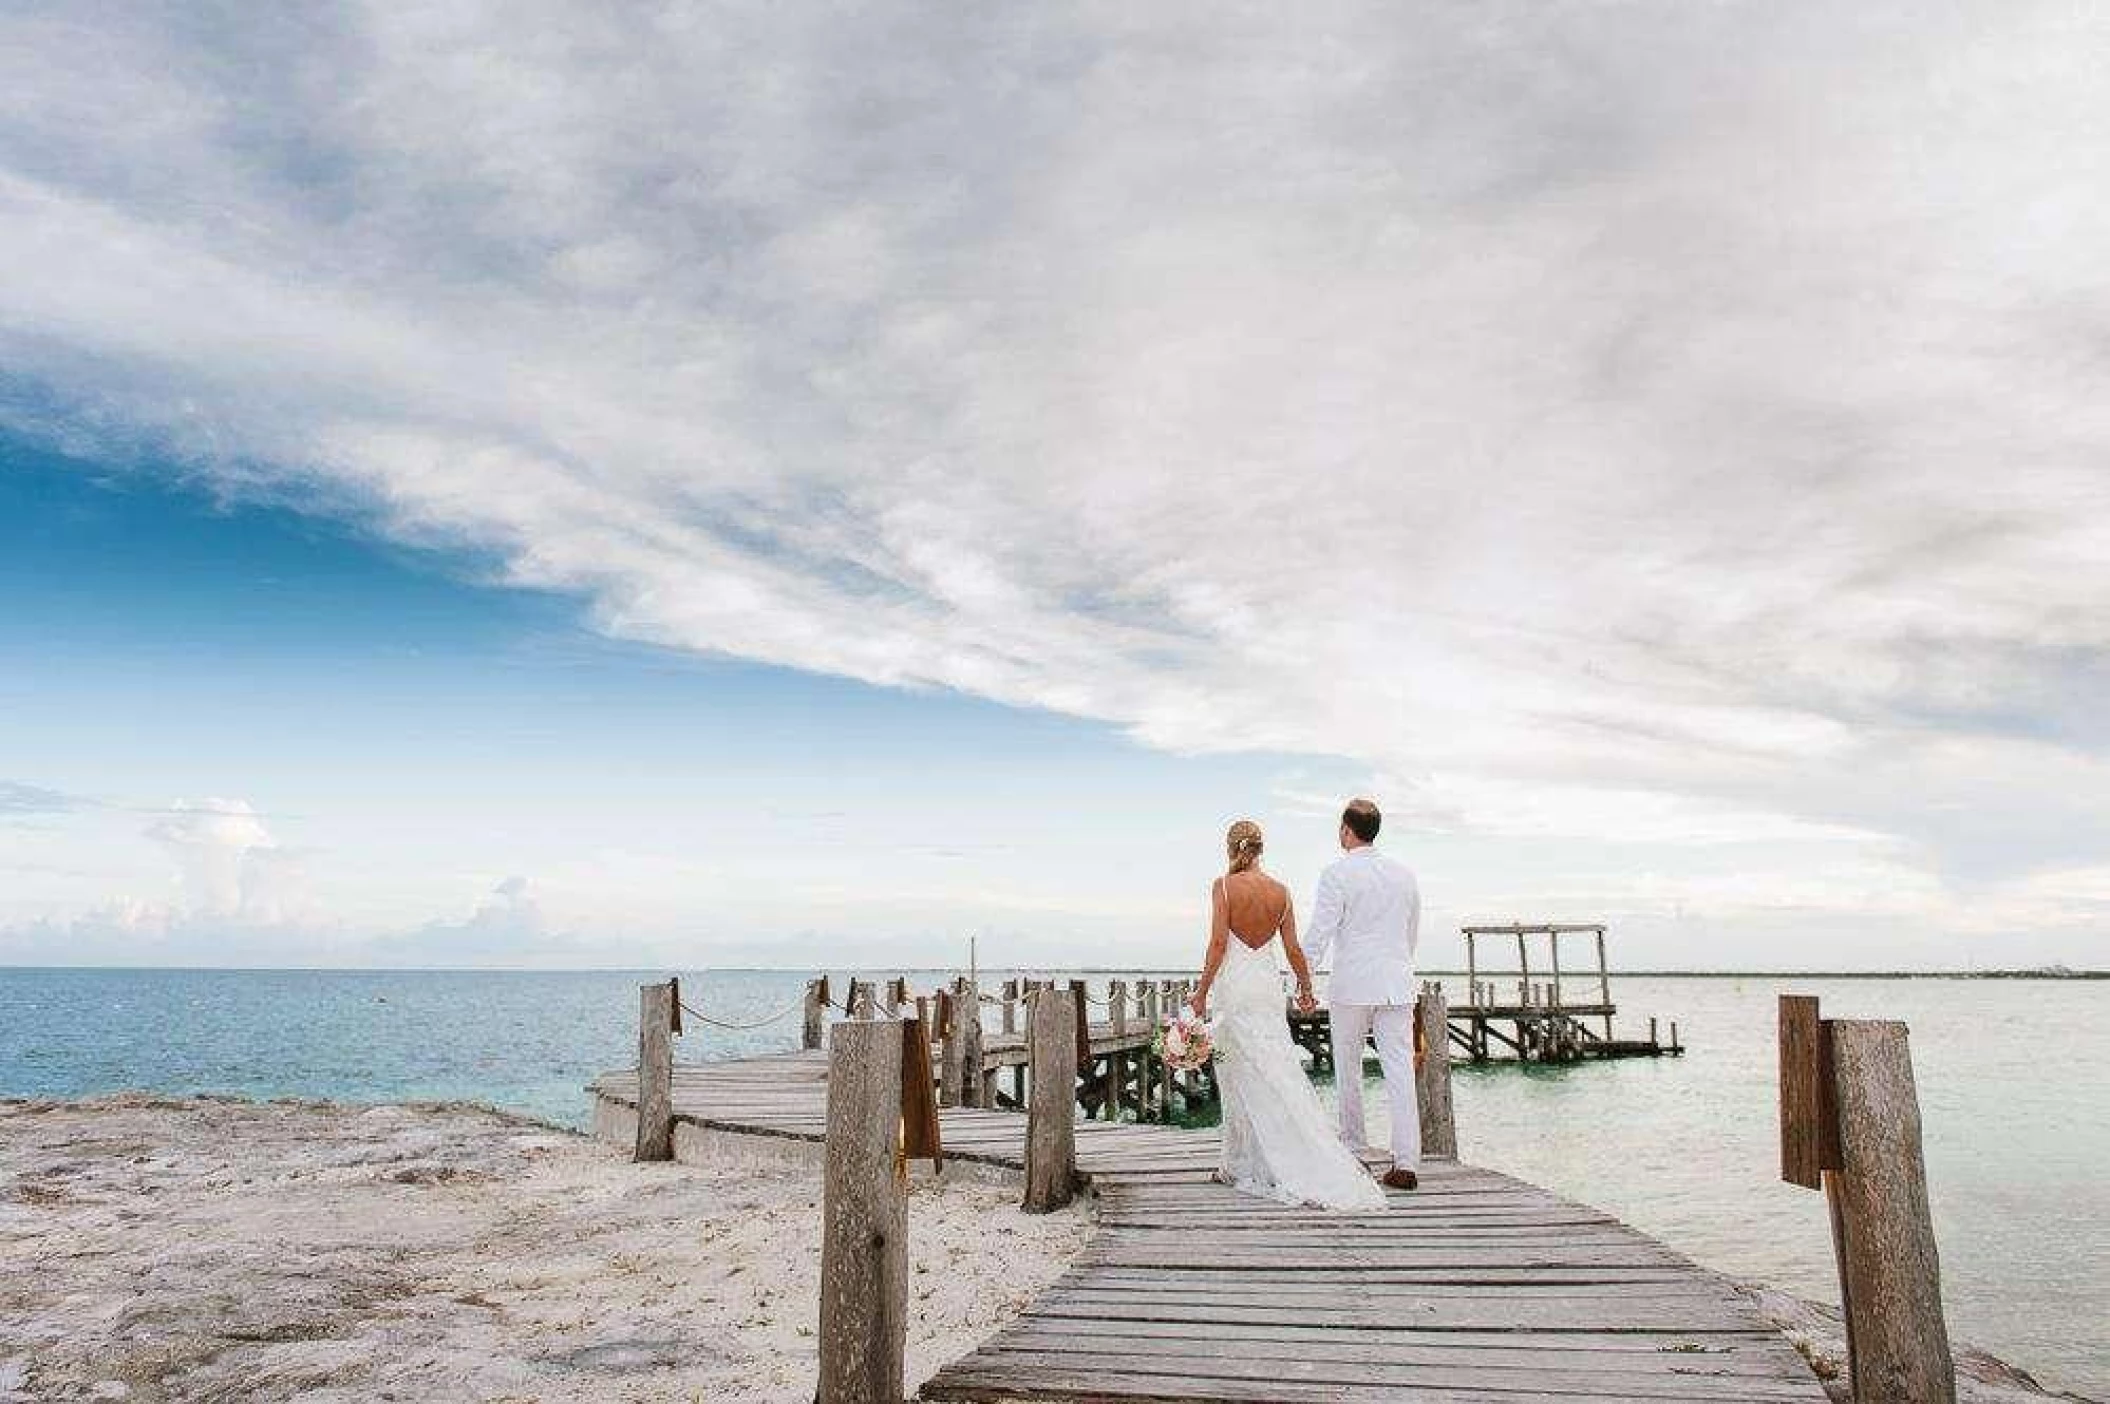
(1850, 1123)
(948, 1049)
(864, 1219)
(974, 1086)
(1051, 1112)
(1439, 1127)
(816, 1013)
(1892, 1271)
(1011, 1006)
(861, 999)
(960, 1066)
(655, 1072)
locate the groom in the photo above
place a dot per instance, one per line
(1368, 914)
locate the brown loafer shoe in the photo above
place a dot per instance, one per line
(1399, 1179)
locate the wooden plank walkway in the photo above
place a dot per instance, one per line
(1477, 1287)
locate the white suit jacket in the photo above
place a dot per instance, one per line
(1367, 915)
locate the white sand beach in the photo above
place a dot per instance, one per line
(156, 1249)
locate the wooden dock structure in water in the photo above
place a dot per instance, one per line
(1533, 1020)
(1478, 1287)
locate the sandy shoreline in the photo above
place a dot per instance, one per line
(166, 1249)
(160, 1249)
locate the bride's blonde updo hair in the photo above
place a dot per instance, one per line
(1244, 844)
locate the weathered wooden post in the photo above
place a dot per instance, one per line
(1011, 1006)
(861, 998)
(1893, 1273)
(1051, 1114)
(1117, 1005)
(960, 1062)
(1604, 983)
(973, 1083)
(816, 1012)
(948, 1051)
(655, 1072)
(895, 995)
(1169, 1006)
(864, 1219)
(1849, 1122)
(1432, 1082)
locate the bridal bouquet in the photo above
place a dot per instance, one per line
(1183, 1043)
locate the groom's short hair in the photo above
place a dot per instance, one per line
(1362, 819)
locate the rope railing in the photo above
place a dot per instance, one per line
(1132, 997)
(702, 1018)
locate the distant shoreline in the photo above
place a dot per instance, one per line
(2048, 974)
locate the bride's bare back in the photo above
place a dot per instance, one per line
(1257, 906)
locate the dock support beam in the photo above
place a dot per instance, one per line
(655, 1072)
(1051, 1113)
(864, 1220)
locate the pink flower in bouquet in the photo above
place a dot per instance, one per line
(1184, 1042)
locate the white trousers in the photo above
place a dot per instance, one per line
(1394, 1027)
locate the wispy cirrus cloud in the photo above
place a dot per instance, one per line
(19, 798)
(1645, 424)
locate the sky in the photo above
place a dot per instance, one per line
(696, 484)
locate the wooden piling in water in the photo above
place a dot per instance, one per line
(1051, 1113)
(1010, 1008)
(864, 1220)
(655, 1072)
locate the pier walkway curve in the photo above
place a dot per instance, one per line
(1476, 1289)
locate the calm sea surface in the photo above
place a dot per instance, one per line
(2014, 1081)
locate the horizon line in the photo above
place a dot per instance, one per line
(1992, 973)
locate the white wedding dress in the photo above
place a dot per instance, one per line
(1277, 1140)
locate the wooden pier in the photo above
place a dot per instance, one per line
(1478, 1287)
(1534, 1018)
(1532, 1014)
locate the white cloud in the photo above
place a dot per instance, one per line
(223, 853)
(1676, 425)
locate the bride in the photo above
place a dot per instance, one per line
(1276, 1140)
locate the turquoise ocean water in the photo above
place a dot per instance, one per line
(2014, 1080)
